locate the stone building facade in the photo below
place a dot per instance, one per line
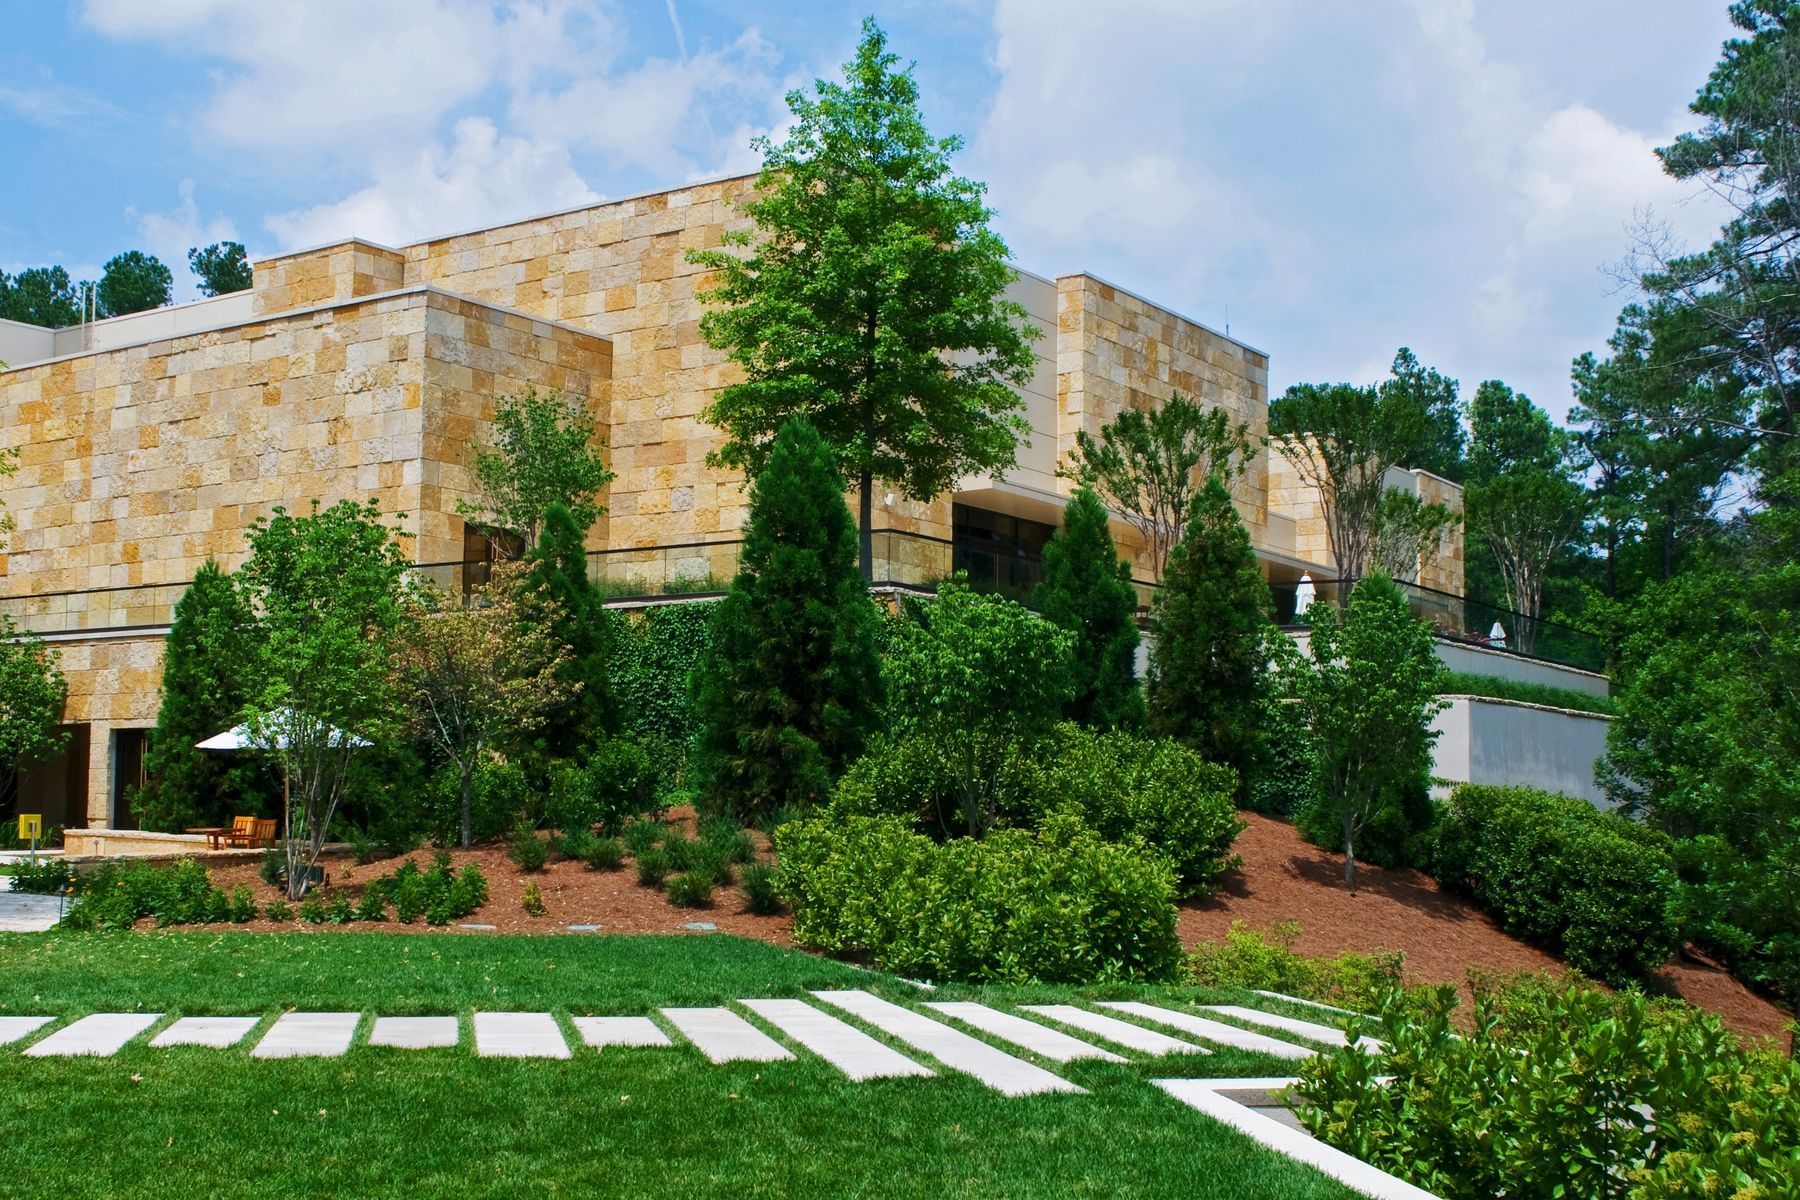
(149, 443)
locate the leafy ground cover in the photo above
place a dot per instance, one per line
(626, 1122)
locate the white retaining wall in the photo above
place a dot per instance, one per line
(1482, 740)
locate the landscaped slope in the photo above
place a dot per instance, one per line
(1443, 935)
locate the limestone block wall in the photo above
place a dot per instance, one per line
(1442, 567)
(1117, 351)
(114, 683)
(1291, 496)
(309, 278)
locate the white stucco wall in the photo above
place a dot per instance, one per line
(1481, 740)
(1498, 664)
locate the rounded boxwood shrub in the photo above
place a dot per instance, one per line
(1595, 887)
(1060, 905)
(614, 783)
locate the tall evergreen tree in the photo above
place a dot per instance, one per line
(579, 622)
(206, 686)
(790, 688)
(1087, 590)
(1211, 624)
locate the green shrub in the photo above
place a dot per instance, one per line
(653, 867)
(1456, 683)
(614, 783)
(729, 838)
(762, 895)
(116, 895)
(533, 901)
(338, 910)
(690, 889)
(642, 836)
(1250, 958)
(273, 867)
(243, 905)
(604, 854)
(678, 847)
(1559, 1092)
(46, 877)
(527, 850)
(1057, 906)
(278, 910)
(572, 845)
(1594, 887)
(1398, 832)
(709, 859)
(374, 905)
(312, 908)
(501, 794)
(1286, 780)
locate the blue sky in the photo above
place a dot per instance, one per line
(1335, 180)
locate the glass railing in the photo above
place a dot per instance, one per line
(1458, 618)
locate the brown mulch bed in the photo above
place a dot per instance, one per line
(1442, 935)
(573, 895)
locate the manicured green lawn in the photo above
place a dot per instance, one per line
(641, 1123)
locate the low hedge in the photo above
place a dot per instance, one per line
(1056, 906)
(1594, 887)
(1457, 683)
(1125, 787)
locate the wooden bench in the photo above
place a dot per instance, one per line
(251, 833)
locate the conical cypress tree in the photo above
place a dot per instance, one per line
(205, 687)
(1211, 625)
(1087, 590)
(558, 574)
(790, 688)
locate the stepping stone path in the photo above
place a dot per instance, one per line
(415, 1033)
(845, 1047)
(519, 1035)
(17, 1029)
(724, 1037)
(619, 1031)
(1212, 1031)
(1122, 1033)
(100, 1034)
(1283, 996)
(308, 1035)
(1319, 1033)
(217, 1032)
(1041, 1040)
(957, 1050)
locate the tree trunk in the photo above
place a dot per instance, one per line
(865, 534)
(1349, 853)
(468, 773)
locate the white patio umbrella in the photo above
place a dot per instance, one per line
(1304, 595)
(274, 735)
(1497, 635)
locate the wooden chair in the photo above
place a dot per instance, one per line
(250, 832)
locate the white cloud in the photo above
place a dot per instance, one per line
(170, 235)
(482, 178)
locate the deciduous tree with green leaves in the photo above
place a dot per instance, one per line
(1212, 624)
(325, 592)
(1406, 530)
(1149, 464)
(43, 296)
(32, 695)
(134, 282)
(871, 299)
(222, 268)
(1087, 590)
(1368, 693)
(983, 680)
(1341, 439)
(546, 453)
(473, 675)
(790, 688)
(209, 660)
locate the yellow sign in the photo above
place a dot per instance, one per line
(31, 826)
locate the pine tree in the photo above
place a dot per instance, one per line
(1211, 625)
(790, 688)
(558, 576)
(1087, 590)
(206, 685)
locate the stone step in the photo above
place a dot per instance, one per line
(957, 1050)
(100, 1034)
(1306, 1029)
(415, 1033)
(724, 1037)
(519, 1035)
(1050, 1043)
(845, 1047)
(308, 1035)
(1122, 1033)
(217, 1032)
(17, 1029)
(1212, 1031)
(619, 1031)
